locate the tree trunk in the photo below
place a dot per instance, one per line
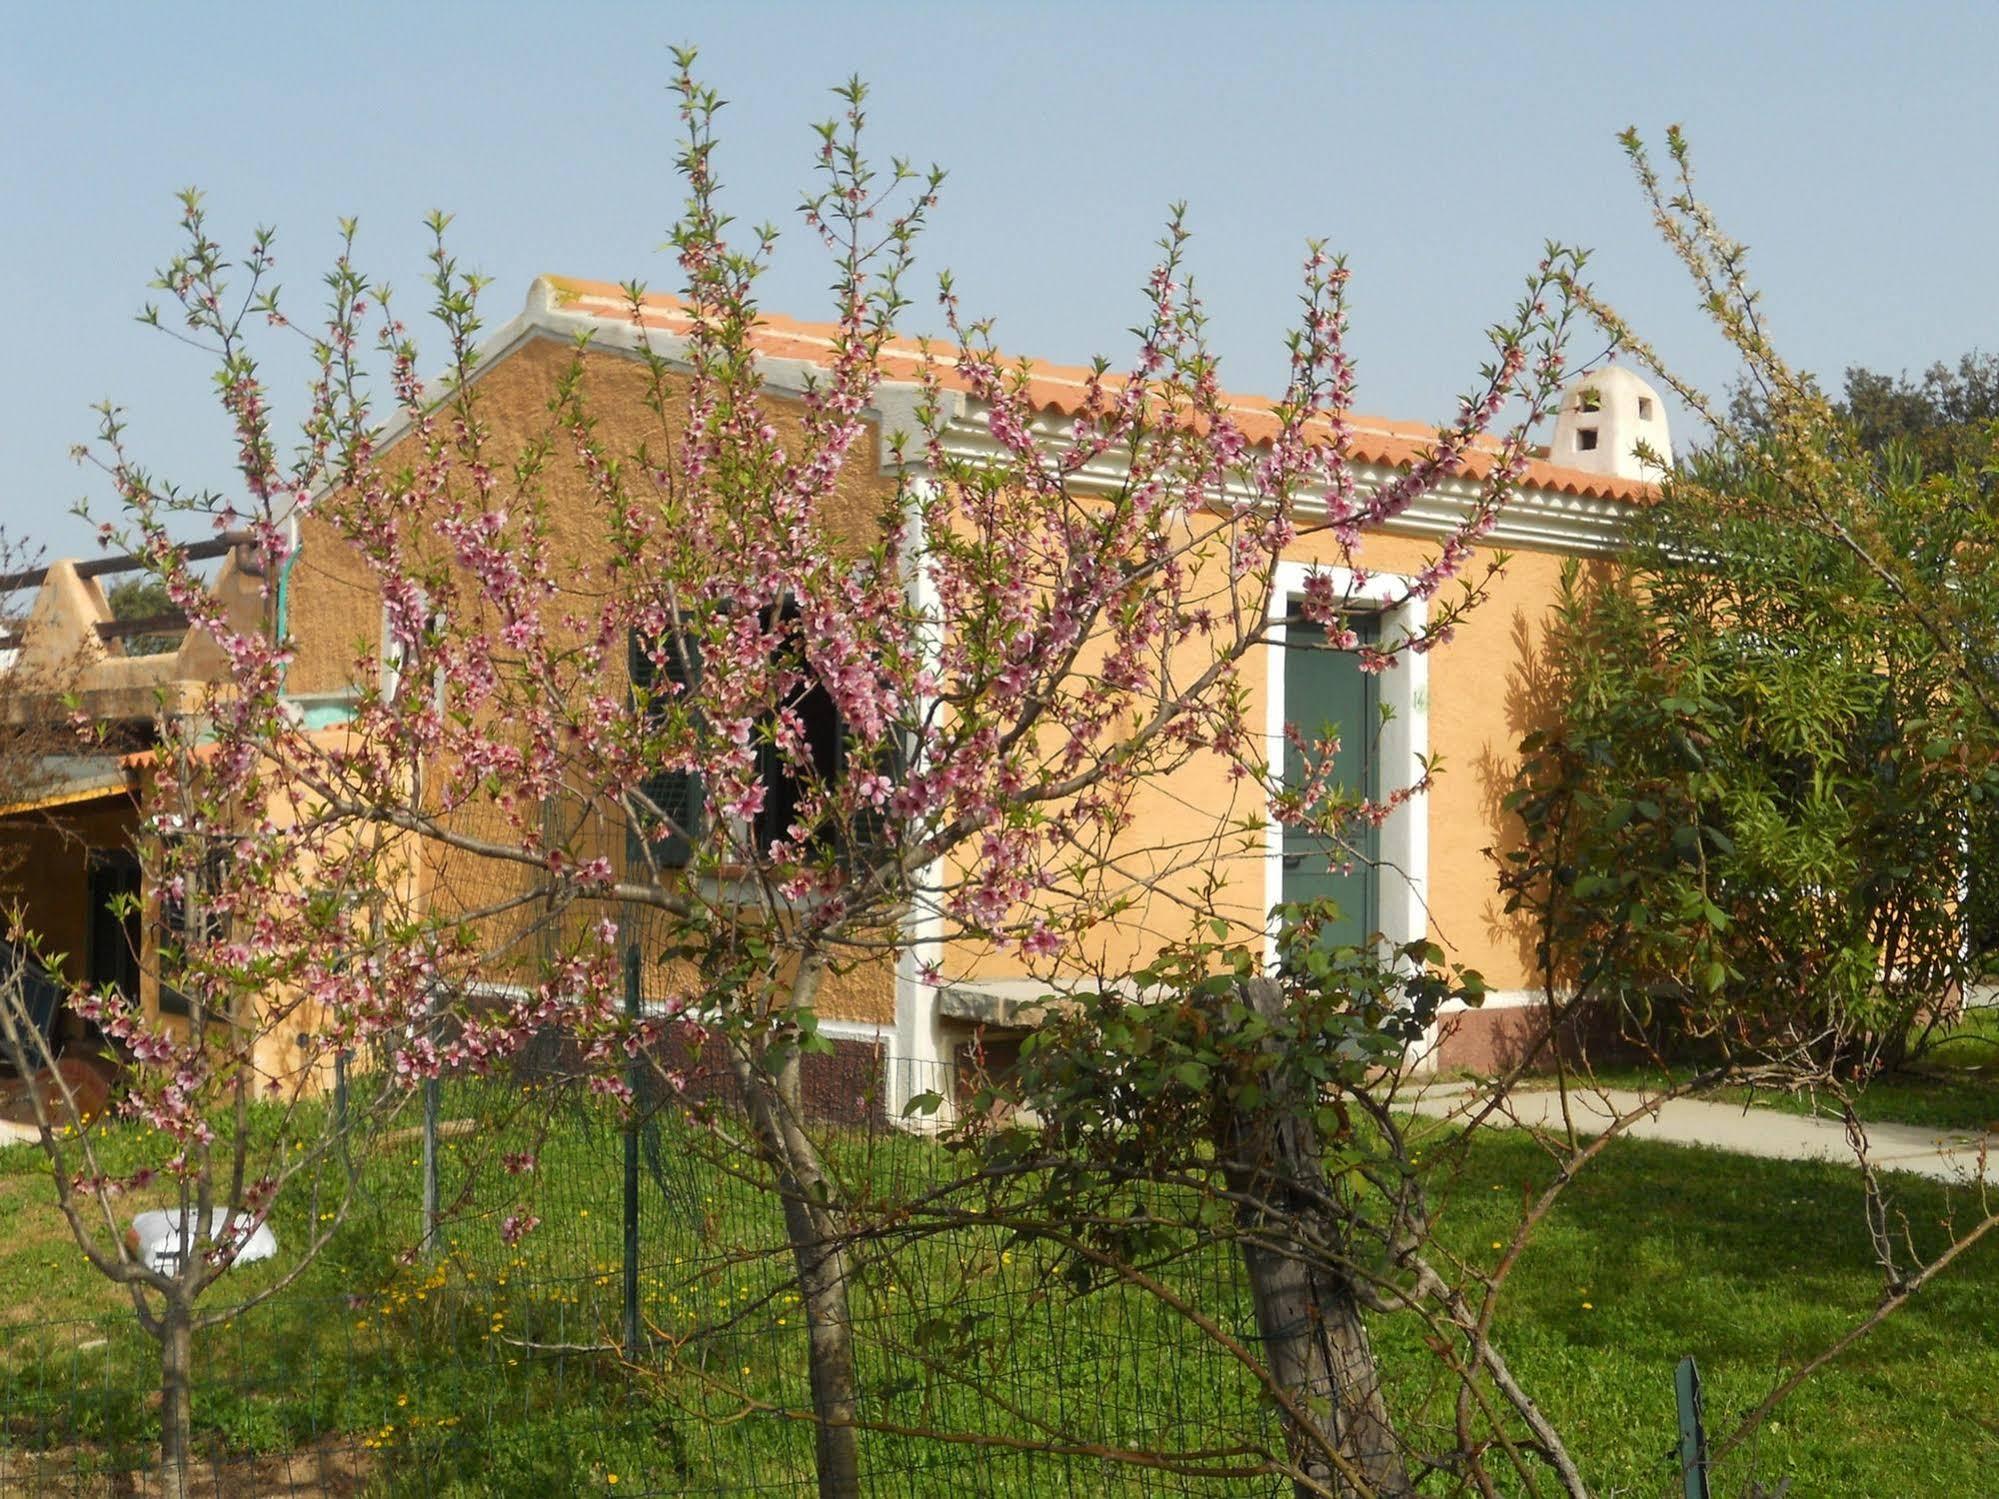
(822, 1288)
(1315, 1342)
(176, 1400)
(812, 1225)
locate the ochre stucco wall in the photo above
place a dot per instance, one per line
(1482, 701)
(334, 606)
(1486, 695)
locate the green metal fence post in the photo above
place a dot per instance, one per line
(1693, 1433)
(432, 1090)
(634, 1077)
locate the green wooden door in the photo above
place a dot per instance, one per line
(1326, 693)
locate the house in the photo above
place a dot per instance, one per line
(1467, 704)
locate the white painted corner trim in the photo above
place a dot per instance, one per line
(921, 1049)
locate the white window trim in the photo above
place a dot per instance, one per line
(1403, 877)
(393, 658)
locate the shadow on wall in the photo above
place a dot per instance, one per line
(1532, 692)
(1536, 687)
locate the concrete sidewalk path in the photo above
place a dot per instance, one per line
(1941, 1155)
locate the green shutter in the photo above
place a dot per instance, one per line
(677, 793)
(869, 836)
(1325, 691)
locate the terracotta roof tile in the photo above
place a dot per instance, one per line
(1059, 389)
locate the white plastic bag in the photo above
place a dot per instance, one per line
(154, 1238)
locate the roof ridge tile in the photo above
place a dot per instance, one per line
(1380, 440)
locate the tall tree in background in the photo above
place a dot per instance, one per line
(143, 598)
(1941, 422)
(1944, 420)
(1793, 677)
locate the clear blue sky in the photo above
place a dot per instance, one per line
(1856, 147)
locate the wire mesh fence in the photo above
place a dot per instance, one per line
(646, 1335)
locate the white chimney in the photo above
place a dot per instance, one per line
(1604, 417)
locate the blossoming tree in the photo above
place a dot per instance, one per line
(679, 687)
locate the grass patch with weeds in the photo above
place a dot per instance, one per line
(468, 1374)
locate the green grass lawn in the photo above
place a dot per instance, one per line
(427, 1374)
(1750, 1266)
